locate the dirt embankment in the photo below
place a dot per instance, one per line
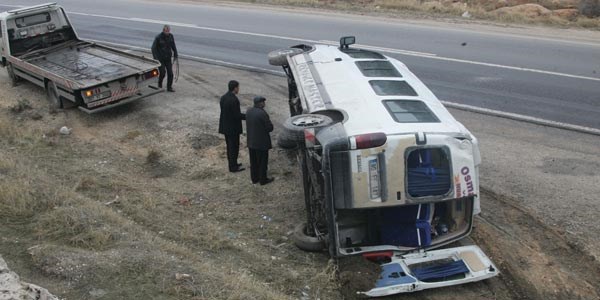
(564, 13)
(137, 203)
(137, 195)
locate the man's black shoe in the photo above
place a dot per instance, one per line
(269, 180)
(239, 165)
(237, 170)
(170, 90)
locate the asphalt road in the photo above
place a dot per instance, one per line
(557, 79)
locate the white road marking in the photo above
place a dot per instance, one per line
(208, 60)
(522, 118)
(398, 51)
(185, 25)
(476, 109)
(434, 56)
(389, 50)
(513, 68)
(486, 79)
(382, 49)
(220, 30)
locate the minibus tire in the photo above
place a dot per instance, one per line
(293, 128)
(279, 57)
(305, 242)
(285, 141)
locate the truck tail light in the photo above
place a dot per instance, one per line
(151, 74)
(369, 140)
(96, 94)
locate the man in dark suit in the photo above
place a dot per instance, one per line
(230, 124)
(258, 125)
(162, 50)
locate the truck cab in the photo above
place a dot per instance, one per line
(36, 27)
(388, 173)
(39, 29)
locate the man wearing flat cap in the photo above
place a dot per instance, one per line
(258, 126)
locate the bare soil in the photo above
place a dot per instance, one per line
(137, 203)
(357, 275)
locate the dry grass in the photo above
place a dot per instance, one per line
(22, 192)
(8, 133)
(15, 192)
(80, 223)
(94, 216)
(588, 23)
(20, 106)
(131, 135)
(401, 8)
(112, 227)
(89, 243)
(153, 156)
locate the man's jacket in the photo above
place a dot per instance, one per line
(162, 46)
(258, 126)
(230, 121)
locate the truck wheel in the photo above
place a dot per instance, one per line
(307, 242)
(293, 129)
(54, 102)
(67, 103)
(279, 57)
(14, 79)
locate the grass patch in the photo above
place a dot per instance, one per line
(20, 106)
(103, 188)
(80, 223)
(157, 167)
(588, 23)
(63, 226)
(445, 9)
(88, 244)
(86, 183)
(22, 193)
(153, 157)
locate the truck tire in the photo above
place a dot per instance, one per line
(293, 129)
(307, 242)
(67, 103)
(54, 102)
(14, 79)
(279, 57)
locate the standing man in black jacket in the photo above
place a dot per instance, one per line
(258, 125)
(164, 42)
(230, 124)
